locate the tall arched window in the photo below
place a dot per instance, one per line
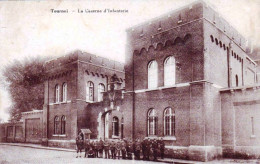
(57, 93)
(64, 92)
(152, 122)
(169, 122)
(169, 71)
(63, 125)
(56, 125)
(90, 91)
(115, 126)
(101, 89)
(152, 74)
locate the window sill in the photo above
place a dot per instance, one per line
(89, 101)
(59, 135)
(63, 102)
(169, 138)
(152, 136)
(252, 136)
(115, 137)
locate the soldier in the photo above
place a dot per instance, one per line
(106, 148)
(95, 149)
(87, 147)
(130, 149)
(162, 147)
(113, 149)
(123, 145)
(137, 148)
(118, 148)
(100, 148)
(144, 149)
(155, 149)
(80, 145)
(148, 148)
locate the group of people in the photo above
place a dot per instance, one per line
(147, 149)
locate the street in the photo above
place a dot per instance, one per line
(16, 154)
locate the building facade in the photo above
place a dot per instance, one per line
(187, 78)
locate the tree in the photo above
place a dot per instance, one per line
(25, 82)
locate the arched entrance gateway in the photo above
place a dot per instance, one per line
(111, 121)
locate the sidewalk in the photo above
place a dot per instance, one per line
(37, 146)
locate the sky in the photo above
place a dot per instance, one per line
(29, 28)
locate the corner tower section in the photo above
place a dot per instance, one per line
(182, 89)
(225, 53)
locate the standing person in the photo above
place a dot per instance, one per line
(118, 148)
(162, 147)
(144, 149)
(100, 148)
(130, 149)
(123, 145)
(113, 149)
(80, 145)
(155, 149)
(106, 148)
(95, 148)
(149, 148)
(137, 148)
(87, 147)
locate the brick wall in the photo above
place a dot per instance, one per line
(240, 117)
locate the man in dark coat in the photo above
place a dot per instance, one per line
(137, 148)
(162, 147)
(87, 147)
(80, 145)
(118, 148)
(155, 149)
(144, 149)
(148, 148)
(95, 148)
(113, 149)
(106, 148)
(100, 147)
(130, 149)
(123, 145)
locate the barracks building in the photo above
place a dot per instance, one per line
(187, 78)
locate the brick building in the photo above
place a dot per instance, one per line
(187, 78)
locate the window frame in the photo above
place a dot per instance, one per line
(89, 85)
(115, 126)
(64, 92)
(169, 122)
(56, 125)
(152, 73)
(168, 66)
(152, 119)
(101, 88)
(63, 124)
(57, 93)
